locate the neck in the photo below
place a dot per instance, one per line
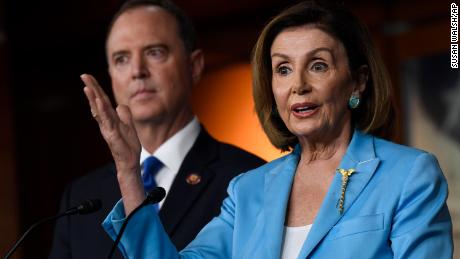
(154, 133)
(326, 148)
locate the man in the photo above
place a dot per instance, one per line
(153, 64)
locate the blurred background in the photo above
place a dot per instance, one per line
(48, 138)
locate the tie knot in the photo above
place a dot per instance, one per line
(151, 166)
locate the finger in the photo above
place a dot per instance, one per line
(109, 126)
(106, 116)
(87, 78)
(89, 92)
(128, 129)
(98, 93)
(91, 83)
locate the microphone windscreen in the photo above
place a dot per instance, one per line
(156, 195)
(89, 206)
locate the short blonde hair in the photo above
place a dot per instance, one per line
(377, 102)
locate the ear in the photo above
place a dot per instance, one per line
(197, 65)
(362, 75)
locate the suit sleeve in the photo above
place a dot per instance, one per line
(145, 237)
(422, 225)
(61, 239)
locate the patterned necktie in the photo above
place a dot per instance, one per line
(151, 167)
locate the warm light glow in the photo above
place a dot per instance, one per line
(223, 102)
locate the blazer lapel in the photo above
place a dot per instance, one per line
(182, 194)
(359, 156)
(277, 189)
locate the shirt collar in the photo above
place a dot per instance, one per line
(173, 151)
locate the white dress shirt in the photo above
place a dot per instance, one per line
(172, 153)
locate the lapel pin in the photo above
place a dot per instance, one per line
(193, 179)
(345, 176)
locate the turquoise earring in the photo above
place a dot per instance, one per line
(353, 102)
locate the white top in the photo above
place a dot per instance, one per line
(293, 239)
(172, 153)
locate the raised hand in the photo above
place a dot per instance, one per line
(118, 130)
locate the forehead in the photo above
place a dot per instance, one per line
(304, 38)
(143, 25)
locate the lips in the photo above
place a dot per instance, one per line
(303, 110)
(142, 93)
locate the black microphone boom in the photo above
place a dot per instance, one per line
(87, 206)
(154, 196)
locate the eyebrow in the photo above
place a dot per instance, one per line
(123, 52)
(310, 53)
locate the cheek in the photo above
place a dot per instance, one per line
(281, 102)
(338, 92)
(280, 93)
(336, 102)
(342, 96)
(176, 87)
(335, 98)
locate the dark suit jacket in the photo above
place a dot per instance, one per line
(185, 211)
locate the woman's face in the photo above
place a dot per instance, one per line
(312, 82)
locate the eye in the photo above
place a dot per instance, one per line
(120, 60)
(283, 70)
(319, 67)
(156, 52)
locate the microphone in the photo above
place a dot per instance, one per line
(154, 196)
(85, 207)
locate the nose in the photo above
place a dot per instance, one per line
(300, 85)
(139, 68)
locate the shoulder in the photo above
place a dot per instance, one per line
(231, 152)
(229, 161)
(256, 176)
(406, 163)
(223, 155)
(94, 177)
(388, 149)
(99, 183)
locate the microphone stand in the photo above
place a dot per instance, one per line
(28, 231)
(87, 206)
(156, 195)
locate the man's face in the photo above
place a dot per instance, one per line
(150, 69)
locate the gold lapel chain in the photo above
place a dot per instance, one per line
(345, 176)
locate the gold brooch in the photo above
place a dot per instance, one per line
(345, 175)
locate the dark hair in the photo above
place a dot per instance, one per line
(186, 30)
(377, 104)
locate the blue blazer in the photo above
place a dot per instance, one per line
(395, 207)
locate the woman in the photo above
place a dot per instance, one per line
(321, 91)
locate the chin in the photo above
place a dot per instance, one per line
(301, 127)
(309, 131)
(143, 115)
(302, 131)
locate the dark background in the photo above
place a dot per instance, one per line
(47, 136)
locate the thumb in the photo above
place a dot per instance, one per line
(124, 113)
